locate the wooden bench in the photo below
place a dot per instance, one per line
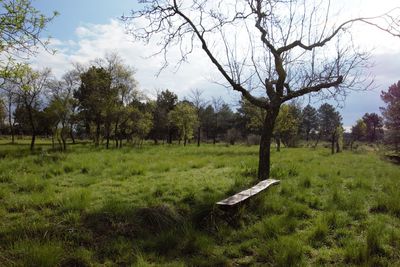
(241, 196)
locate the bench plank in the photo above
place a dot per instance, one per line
(245, 194)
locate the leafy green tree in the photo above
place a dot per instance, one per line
(329, 121)
(162, 129)
(309, 121)
(358, 131)
(207, 121)
(21, 26)
(62, 105)
(374, 123)
(123, 85)
(95, 98)
(30, 86)
(252, 115)
(184, 117)
(141, 123)
(287, 125)
(391, 113)
(3, 115)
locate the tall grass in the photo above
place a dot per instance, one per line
(156, 206)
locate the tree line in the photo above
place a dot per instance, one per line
(102, 102)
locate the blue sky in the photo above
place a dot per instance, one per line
(88, 29)
(74, 13)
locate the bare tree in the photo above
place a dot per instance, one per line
(271, 51)
(217, 104)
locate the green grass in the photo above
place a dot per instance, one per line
(154, 206)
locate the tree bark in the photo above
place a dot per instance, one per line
(265, 144)
(333, 143)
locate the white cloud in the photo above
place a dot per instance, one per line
(94, 41)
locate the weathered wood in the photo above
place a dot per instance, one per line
(241, 196)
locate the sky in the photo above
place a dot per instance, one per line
(88, 29)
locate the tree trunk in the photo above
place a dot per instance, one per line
(316, 142)
(337, 147)
(116, 133)
(33, 141)
(29, 109)
(10, 123)
(198, 135)
(184, 140)
(97, 138)
(71, 134)
(64, 142)
(333, 144)
(278, 144)
(265, 143)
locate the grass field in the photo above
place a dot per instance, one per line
(154, 206)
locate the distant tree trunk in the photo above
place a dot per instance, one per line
(53, 146)
(10, 123)
(63, 139)
(184, 140)
(278, 144)
(33, 128)
(317, 141)
(333, 143)
(198, 135)
(71, 133)
(337, 146)
(97, 137)
(116, 133)
(265, 143)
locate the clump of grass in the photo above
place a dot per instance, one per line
(387, 203)
(319, 234)
(81, 257)
(374, 241)
(158, 218)
(68, 169)
(248, 171)
(44, 158)
(39, 253)
(137, 170)
(277, 172)
(285, 251)
(355, 252)
(290, 252)
(292, 171)
(5, 178)
(31, 184)
(306, 183)
(76, 200)
(299, 211)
